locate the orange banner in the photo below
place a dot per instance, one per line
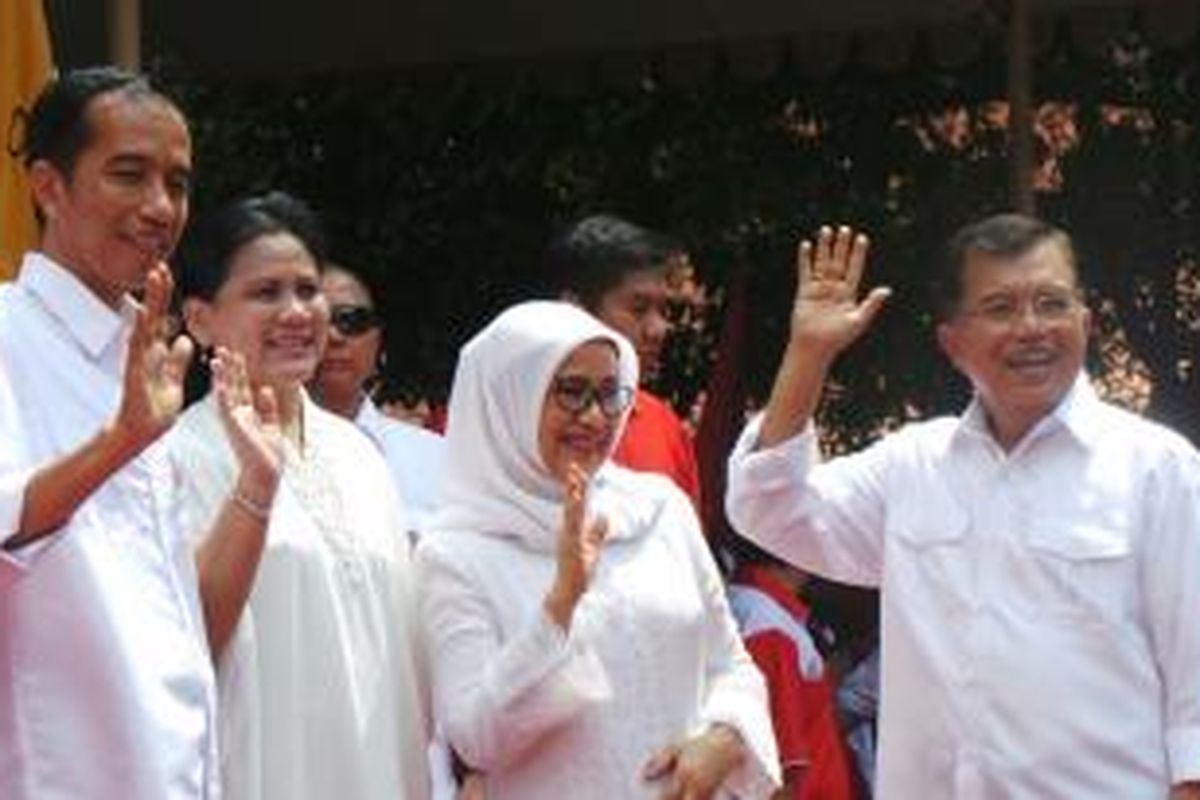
(25, 65)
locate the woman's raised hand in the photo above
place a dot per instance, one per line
(579, 546)
(827, 315)
(251, 422)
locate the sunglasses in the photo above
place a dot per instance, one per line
(353, 320)
(575, 394)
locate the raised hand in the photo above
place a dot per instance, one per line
(579, 547)
(697, 767)
(251, 422)
(155, 367)
(827, 315)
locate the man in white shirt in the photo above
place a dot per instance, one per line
(106, 686)
(1039, 556)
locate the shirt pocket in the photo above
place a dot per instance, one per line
(929, 553)
(1085, 571)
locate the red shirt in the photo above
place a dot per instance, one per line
(802, 711)
(656, 441)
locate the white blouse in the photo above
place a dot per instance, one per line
(320, 689)
(652, 657)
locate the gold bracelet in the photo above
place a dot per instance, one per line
(255, 509)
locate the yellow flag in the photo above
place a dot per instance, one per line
(25, 66)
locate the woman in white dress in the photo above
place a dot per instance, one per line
(321, 695)
(580, 642)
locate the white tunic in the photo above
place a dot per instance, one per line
(321, 693)
(1040, 608)
(106, 689)
(652, 656)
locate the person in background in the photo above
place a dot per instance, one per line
(563, 664)
(765, 596)
(351, 363)
(617, 271)
(321, 680)
(1038, 556)
(106, 687)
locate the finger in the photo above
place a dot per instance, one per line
(154, 358)
(219, 366)
(871, 305)
(241, 380)
(841, 250)
(178, 358)
(157, 296)
(804, 262)
(574, 506)
(824, 251)
(857, 259)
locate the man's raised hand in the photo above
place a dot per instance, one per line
(827, 316)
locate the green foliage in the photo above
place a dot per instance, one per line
(447, 190)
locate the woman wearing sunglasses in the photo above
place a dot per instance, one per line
(312, 619)
(348, 368)
(579, 638)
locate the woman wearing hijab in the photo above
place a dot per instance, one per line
(311, 621)
(579, 639)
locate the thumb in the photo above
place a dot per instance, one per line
(871, 304)
(267, 406)
(661, 763)
(598, 531)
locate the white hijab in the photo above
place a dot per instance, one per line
(496, 480)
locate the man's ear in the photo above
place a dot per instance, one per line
(48, 187)
(947, 338)
(197, 318)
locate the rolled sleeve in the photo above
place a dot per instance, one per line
(1183, 754)
(825, 518)
(15, 562)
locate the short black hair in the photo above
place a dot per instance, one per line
(210, 245)
(57, 128)
(1004, 235)
(592, 256)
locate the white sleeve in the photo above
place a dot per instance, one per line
(823, 518)
(1171, 586)
(494, 699)
(15, 473)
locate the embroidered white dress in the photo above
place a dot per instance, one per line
(320, 688)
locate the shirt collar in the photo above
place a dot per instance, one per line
(369, 418)
(1075, 413)
(93, 325)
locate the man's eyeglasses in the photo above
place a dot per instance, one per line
(575, 394)
(353, 320)
(1047, 307)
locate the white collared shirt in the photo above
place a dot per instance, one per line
(106, 690)
(415, 456)
(1041, 608)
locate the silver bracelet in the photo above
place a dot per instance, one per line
(257, 510)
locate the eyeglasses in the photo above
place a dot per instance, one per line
(575, 394)
(353, 320)
(1047, 307)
